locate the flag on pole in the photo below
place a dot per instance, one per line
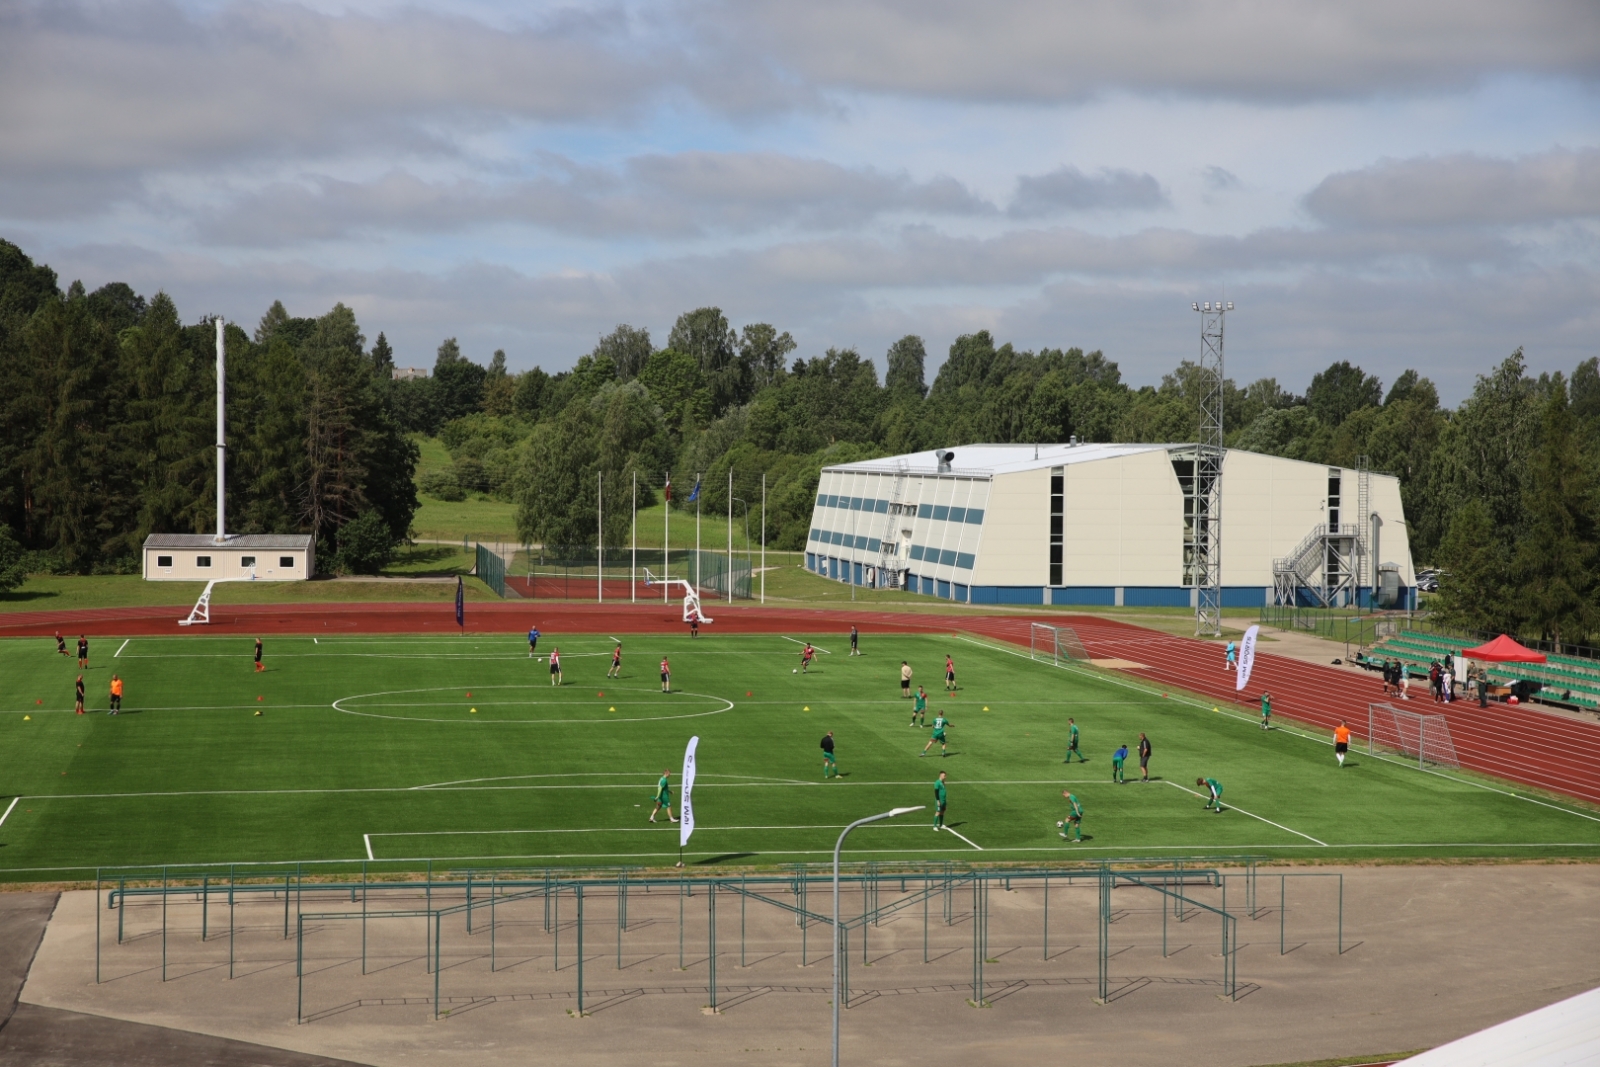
(1247, 658)
(461, 603)
(686, 806)
(694, 494)
(669, 489)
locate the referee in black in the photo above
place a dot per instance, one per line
(1144, 758)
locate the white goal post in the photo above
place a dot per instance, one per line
(1055, 644)
(691, 598)
(1425, 738)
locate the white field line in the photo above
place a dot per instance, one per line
(834, 785)
(965, 838)
(818, 648)
(699, 827)
(368, 839)
(7, 815)
(1292, 732)
(186, 707)
(314, 641)
(118, 652)
(1226, 850)
(1241, 811)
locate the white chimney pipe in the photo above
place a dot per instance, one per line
(222, 447)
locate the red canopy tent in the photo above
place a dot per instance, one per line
(1504, 650)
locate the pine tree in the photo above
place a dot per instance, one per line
(1557, 564)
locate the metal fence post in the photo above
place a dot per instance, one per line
(579, 891)
(711, 938)
(163, 924)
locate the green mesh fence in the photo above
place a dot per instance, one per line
(491, 570)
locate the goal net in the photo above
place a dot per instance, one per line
(1424, 738)
(1054, 644)
(691, 598)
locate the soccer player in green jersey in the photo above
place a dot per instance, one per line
(939, 723)
(830, 768)
(1214, 790)
(919, 709)
(1072, 743)
(939, 799)
(1266, 711)
(664, 796)
(1074, 819)
(1116, 765)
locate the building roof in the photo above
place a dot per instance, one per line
(234, 541)
(1000, 459)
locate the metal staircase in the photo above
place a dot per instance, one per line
(889, 567)
(1324, 565)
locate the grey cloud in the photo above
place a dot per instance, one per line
(1069, 189)
(663, 196)
(1047, 50)
(1461, 190)
(149, 86)
(1218, 180)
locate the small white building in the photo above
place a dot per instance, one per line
(1107, 524)
(201, 558)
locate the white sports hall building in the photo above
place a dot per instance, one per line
(1109, 524)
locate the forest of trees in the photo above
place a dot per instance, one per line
(107, 435)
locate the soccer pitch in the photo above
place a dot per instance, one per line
(367, 747)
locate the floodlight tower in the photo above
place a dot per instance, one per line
(1205, 485)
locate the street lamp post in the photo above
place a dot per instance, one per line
(836, 849)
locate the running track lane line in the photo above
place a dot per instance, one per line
(1241, 811)
(965, 838)
(7, 815)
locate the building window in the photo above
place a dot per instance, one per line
(202, 561)
(286, 561)
(247, 561)
(163, 561)
(1058, 509)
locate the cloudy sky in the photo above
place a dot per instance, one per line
(1412, 183)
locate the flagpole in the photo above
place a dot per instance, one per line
(697, 532)
(600, 537)
(666, 540)
(730, 535)
(763, 537)
(633, 565)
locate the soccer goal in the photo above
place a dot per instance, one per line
(691, 598)
(1054, 644)
(1424, 738)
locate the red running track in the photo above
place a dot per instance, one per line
(1519, 744)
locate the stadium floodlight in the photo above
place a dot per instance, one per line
(1230, 305)
(1195, 306)
(890, 814)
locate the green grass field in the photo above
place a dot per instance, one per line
(370, 741)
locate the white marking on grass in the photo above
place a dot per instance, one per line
(368, 839)
(965, 838)
(1241, 811)
(118, 652)
(314, 641)
(747, 778)
(818, 648)
(337, 706)
(7, 815)
(1292, 732)
(699, 828)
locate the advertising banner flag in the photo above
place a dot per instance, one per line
(1247, 658)
(461, 603)
(686, 806)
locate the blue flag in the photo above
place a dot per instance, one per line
(461, 602)
(694, 494)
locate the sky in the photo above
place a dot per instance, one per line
(1400, 184)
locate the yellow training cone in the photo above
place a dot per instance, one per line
(1216, 709)
(986, 707)
(807, 708)
(611, 709)
(473, 711)
(29, 718)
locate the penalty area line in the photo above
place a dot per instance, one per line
(368, 839)
(118, 652)
(1241, 811)
(818, 648)
(7, 815)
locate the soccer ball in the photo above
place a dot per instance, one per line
(795, 671)
(1061, 826)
